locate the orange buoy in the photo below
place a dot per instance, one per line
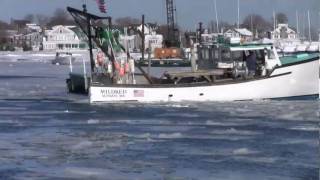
(127, 67)
(100, 59)
(116, 65)
(121, 72)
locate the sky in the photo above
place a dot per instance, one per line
(189, 12)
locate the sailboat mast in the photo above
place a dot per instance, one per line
(297, 26)
(309, 23)
(274, 21)
(216, 12)
(251, 23)
(238, 13)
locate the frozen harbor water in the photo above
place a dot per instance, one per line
(46, 133)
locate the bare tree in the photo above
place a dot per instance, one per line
(127, 21)
(256, 23)
(60, 17)
(30, 18)
(163, 29)
(281, 18)
(3, 36)
(3, 33)
(42, 20)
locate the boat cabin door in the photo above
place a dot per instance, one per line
(272, 58)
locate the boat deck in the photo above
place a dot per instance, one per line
(208, 75)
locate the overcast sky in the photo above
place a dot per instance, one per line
(189, 12)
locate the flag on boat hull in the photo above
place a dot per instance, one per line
(102, 6)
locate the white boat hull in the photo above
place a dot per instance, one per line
(290, 81)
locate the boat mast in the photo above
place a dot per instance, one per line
(251, 24)
(274, 21)
(238, 14)
(297, 26)
(216, 12)
(304, 26)
(309, 23)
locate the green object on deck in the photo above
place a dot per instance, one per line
(297, 58)
(110, 38)
(302, 55)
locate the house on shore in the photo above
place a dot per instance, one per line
(241, 33)
(63, 38)
(29, 37)
(152, 39)
(283, 31)
(133, 38)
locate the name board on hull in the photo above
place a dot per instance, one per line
(113, 93)
(120, 93)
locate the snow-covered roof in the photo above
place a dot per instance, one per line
(284, 26)
(241, 31)
(61, 29)
(244, 32)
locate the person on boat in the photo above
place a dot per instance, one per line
(251, 61)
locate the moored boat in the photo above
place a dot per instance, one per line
(63, 58)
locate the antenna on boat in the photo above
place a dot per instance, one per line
(309, 23)
(238, 13)
(84, 5)
(216, 12)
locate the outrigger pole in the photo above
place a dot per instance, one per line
(84, 20)
(88, 22)
(90, 38)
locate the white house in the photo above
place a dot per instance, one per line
(283, 31)
(30, 37)
(62, 38)
(154, 41)
(148, 28)
(207, 37)
(151, 37)
(242, 33)
(129, 42)
(34, 28)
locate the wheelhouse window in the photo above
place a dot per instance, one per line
(225, 55)
(205, 54)
(237, 55)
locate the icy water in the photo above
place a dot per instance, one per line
(46, 133)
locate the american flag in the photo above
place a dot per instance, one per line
(138, 93)
(102, 6)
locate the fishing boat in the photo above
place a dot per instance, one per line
(221, 71)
